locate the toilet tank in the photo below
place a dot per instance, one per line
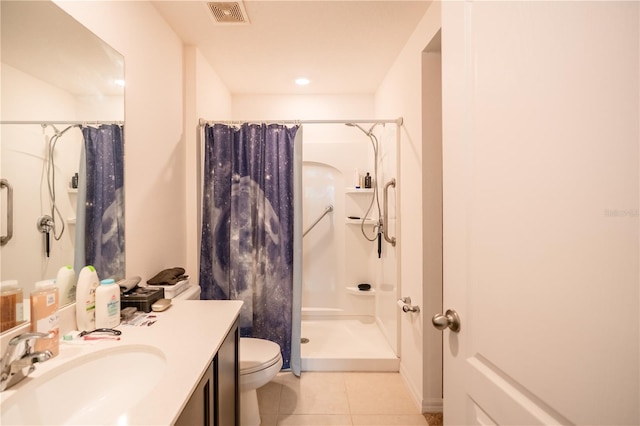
(192, 292)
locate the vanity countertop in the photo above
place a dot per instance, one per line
(188, 334)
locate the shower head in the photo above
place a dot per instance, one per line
(368, 133)
(55, 129)
(58, 133)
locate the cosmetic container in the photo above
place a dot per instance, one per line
(107, 304)
(11, 308)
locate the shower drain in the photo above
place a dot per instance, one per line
(304, 340)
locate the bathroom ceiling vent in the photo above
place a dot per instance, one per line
(229, 12)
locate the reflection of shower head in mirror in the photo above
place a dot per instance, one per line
(368, 133)
(55, 129)
(51, 178)
(58, 133)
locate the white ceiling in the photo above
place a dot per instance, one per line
(343, 47)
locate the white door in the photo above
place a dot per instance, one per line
(541, 189)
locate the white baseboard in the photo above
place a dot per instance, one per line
(432, 405)
(416, 395)
(429, 405)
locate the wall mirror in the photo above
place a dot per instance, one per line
(62, 117)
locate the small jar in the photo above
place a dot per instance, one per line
(11, 307)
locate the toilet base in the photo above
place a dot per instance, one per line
(249, 410)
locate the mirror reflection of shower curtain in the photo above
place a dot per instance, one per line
(247, 244)
(100, 212)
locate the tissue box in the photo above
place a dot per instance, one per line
(141, 298)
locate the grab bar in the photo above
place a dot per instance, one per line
(385, 223)
(4, 239)
(326, 211)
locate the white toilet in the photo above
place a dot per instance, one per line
(260, 361)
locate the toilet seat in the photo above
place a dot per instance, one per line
(257, 355)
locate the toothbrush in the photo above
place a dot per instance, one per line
(100, 338)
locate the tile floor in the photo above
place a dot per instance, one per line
(338, 399)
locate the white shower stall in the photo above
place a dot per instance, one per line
(24, 164)
(345, 328)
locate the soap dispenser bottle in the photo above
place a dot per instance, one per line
(367, 181)
(107, 304)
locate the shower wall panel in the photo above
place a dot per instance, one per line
(387, 294)
(336, 257)
(23, 149)
(336, 254)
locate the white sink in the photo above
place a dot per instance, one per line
(98, 388)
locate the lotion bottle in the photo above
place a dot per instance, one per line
(66, 283)
(88, 281)
(107, 304)
(44, 315)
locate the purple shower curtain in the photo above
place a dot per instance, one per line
(247, 226)
(104, 200)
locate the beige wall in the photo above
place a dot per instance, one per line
(208, 98)
(401, 95)
(303, 107)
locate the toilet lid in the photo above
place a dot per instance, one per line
(257, 354)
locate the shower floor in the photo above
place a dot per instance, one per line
(345, 345)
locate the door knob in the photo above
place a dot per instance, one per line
(450, 319)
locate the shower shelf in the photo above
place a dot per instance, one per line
(355, 290)
(71, 221)
(369, 222)
(352, 190)
(72, 190)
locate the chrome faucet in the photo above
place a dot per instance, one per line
(20, 355)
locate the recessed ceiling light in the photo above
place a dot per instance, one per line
(302, 81)
(119, 82)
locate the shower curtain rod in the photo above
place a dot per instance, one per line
(397, 121)
(70, 123)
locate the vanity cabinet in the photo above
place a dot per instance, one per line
(216, 399)
(226, 365)
(198, 409)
